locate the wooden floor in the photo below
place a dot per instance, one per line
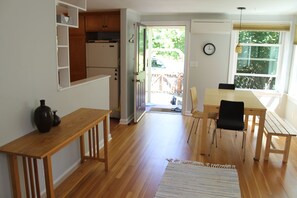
(138, 154)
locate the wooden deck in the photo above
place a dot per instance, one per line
(138, 154)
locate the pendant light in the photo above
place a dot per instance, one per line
(238, 48)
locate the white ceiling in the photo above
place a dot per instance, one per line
(253, 7)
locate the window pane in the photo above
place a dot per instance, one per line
(259, 37)
(253, 82)
(267, 52)
(141, 48)
(256, 67)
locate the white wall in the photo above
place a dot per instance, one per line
(128, 19)
(208, 71)
(283, 104)
(28, 74)
(290, 113)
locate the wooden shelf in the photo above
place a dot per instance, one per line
(79, 4)
(63, 77)
(63, 57)
(66, 9)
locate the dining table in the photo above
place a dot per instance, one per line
(252, 106)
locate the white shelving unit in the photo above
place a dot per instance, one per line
(67, 16)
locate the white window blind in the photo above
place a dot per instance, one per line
(262, 27)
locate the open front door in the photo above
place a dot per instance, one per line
(139, 72)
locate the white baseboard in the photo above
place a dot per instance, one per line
(188, 113)
(127, 121)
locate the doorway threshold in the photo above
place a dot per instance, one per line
(164, 108)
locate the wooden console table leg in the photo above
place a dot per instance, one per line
(97, 142)
(105, 136)
(82, 148)
(47, 163)
(15, 179)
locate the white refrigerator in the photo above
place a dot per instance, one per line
(103, 59)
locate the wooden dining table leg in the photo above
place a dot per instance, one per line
(15, 179)
(259, 136)
(203, 136)
(246, 122)
(47, 163)
(253, 123)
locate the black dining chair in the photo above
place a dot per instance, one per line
(231, 117)
(226, 86)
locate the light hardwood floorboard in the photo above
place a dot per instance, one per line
(138, 154)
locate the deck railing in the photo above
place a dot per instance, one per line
(167, 83)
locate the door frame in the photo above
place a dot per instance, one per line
(185, 96)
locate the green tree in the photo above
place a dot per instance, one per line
(173, 38)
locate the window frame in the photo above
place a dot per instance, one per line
(234, 56)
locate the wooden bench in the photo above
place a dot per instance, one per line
(276, 126)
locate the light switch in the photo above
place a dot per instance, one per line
(194, 64)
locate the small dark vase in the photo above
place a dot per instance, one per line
(57, 119)
(43, 117)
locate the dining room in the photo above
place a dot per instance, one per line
(138, 152)
(139, 155)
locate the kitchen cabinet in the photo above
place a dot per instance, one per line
(77, 49)
(87, 22)
(81, 27)
(102, 21)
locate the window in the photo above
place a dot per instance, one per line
(257, 66)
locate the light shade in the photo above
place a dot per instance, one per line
(238, 49)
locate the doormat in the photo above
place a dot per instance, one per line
(172, 110)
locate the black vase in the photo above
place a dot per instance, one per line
(56, 120)
(43, 117)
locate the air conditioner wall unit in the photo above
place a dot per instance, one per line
(211, 27)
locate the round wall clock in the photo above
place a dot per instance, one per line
(209, 49)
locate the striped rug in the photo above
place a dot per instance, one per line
(195, 179)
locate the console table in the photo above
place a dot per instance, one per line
(36, 145)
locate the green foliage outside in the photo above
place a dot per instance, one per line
(172, 38)
(257, 58)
